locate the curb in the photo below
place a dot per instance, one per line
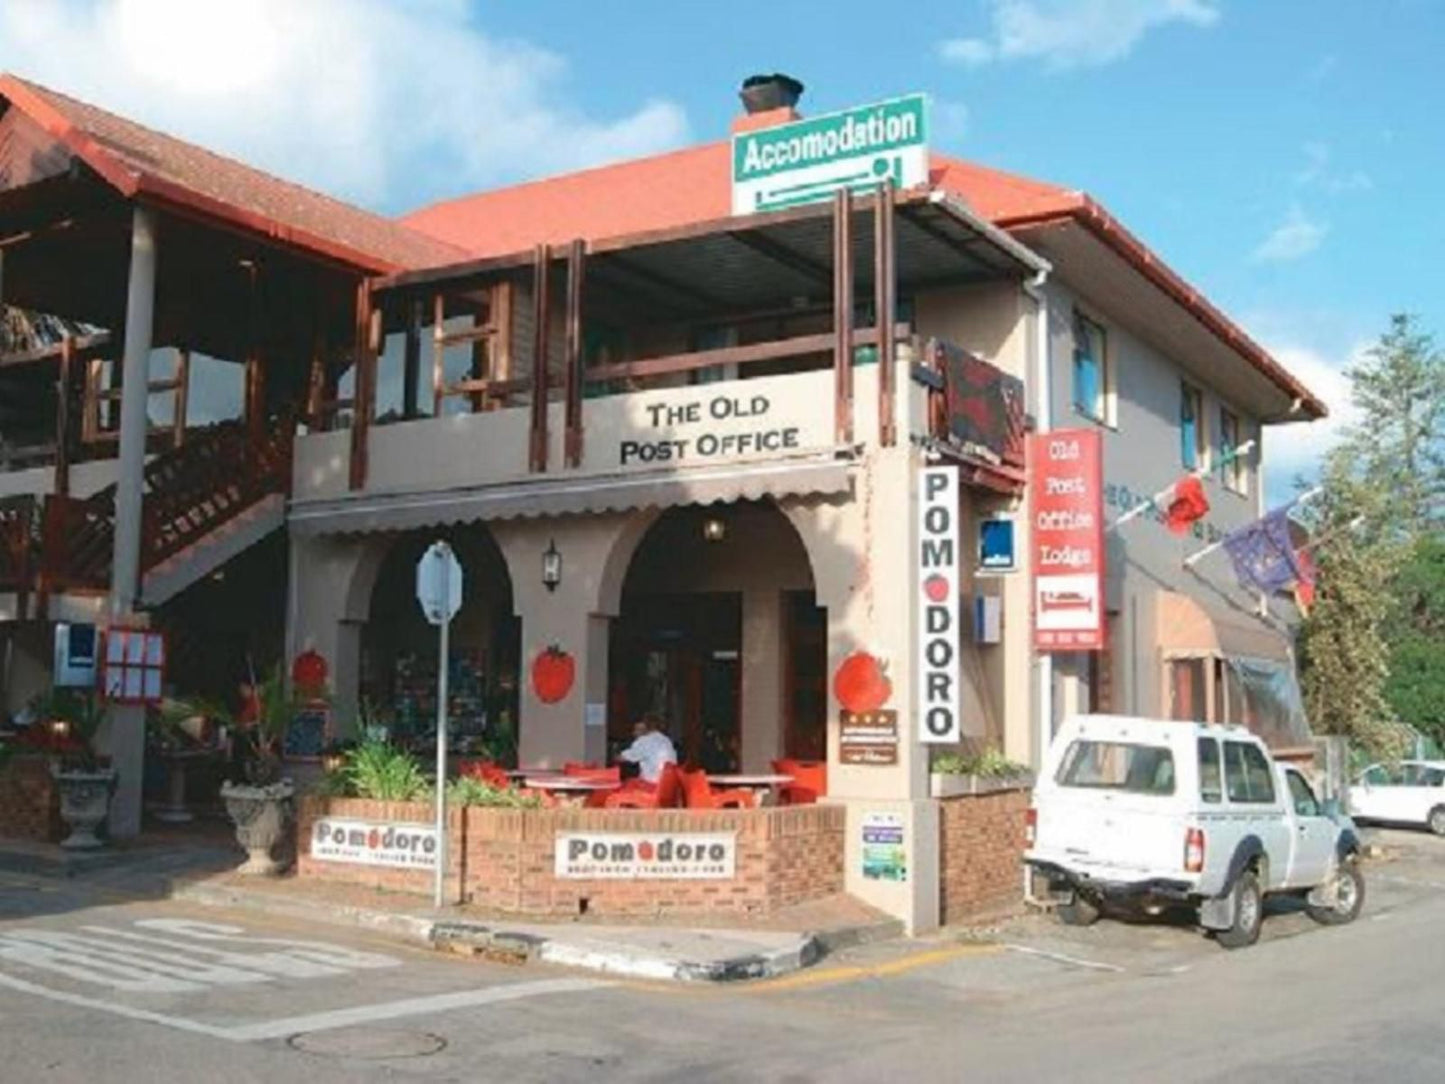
(501, 944)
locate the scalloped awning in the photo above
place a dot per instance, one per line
(825, 476)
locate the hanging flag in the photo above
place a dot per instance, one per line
(1263, 553)
(1304, 587)
(1186, 504)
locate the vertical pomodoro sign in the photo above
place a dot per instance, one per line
(938, 585)
(1066, 534)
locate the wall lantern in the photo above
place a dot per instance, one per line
(551, 566)
(714, 529)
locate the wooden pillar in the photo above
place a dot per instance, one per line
(63, 422)
(885, 306)
(411, 364)
(183, 396)
(316, 377)
(541, 310)
(843, 316)
(576, 267)
(364, 395)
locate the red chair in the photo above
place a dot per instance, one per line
(810, 780)
(639, 795)
(485, 770)
(700, 794)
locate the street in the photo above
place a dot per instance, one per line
(96, 986)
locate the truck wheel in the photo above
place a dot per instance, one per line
(1077, 912)
(1248, 913)
(1437, 820)
(1349, 897)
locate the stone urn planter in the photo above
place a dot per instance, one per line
(263, 817)
(84, 805)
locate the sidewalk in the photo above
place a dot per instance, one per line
(158, 866)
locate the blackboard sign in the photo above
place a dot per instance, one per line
(307, 734)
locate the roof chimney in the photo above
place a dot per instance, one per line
(769, 100)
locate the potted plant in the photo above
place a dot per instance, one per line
(986, 772)
(261, 804)
(72, 718)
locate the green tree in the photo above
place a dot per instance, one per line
(1398, 447)
(1415, 689)
(1344, 656)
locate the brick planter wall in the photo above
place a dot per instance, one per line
(981, 845)
(29, 800)
(784, 856)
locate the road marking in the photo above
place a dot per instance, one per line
(1059, 957)
(295, 1025)
(412, 1006)
(831, 975)
(193, 956)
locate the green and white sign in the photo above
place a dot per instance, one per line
(809, 160)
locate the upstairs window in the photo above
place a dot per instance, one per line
(1091, 369)
(1233, 465)
(1193, 448)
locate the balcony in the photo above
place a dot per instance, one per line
(748, 341)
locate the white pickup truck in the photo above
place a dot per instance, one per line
(1142, 814)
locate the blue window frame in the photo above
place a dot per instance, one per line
(1191, 427)
(1091, 373)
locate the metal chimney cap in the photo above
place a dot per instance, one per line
(761, 93)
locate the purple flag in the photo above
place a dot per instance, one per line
(1263, 553)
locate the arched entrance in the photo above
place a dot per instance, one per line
(719, 633)
(399, 658)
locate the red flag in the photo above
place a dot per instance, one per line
(1186, 504)
(1304, 587)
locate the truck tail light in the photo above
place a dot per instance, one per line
(1194, 850)
(1031, 827)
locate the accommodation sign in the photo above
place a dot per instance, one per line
(937, 565)
(720, 428)
(809, 160)
(1066, 535)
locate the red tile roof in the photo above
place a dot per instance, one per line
(141, 162)
(691, 185)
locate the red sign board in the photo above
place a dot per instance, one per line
(1066, 539)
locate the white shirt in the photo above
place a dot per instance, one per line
(650, 753)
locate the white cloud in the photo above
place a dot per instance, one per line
(1296, 237)
(388, 102)
(1297, 449)
(1072, 33)
(1317, 172)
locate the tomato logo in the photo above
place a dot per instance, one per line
(860, 683)
(936, 588)
(553, 671)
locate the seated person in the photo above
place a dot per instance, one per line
(650, 750)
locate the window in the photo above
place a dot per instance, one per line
(1091, 369)
(1193, 447)
(1233, 466)
(1246, 773)
(1138, 769)
(1211, 787)
(1305, 804)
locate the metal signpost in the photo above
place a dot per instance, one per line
(439, 591)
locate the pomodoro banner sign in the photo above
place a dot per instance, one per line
(809, 160)
(672, 856)
(374, 843)
(939, 643)
(1066, 534)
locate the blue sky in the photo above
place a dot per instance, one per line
(1284, 156)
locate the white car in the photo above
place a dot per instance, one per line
(1143, 814)
(1408, 792)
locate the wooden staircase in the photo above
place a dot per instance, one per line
(203, 502)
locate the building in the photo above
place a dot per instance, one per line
(677, 449)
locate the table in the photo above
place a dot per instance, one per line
(769, 783)
(569, 785)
